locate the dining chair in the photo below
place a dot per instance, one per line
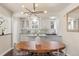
(19, 52)
(58, 53)
(40, 53)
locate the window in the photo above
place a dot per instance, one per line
(52, 24)
(35, 24)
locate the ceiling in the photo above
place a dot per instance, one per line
(51, 8)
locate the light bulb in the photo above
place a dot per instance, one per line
(23, 6)
(26, 14)
(36, 5)
(22, 12)
(45, 12)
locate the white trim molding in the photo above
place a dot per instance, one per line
(6, 52)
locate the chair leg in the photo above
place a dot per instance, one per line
(56, 53)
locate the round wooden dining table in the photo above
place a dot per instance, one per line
(40, 47)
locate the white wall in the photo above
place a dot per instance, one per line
(6, 24)
(71, 39)
(15, 27)
(6, 14)
(5, 41)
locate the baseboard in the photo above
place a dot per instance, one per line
(6, 52)
(68, 54)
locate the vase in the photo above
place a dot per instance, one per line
(37, 40)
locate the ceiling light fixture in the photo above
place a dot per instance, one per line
(34, 11)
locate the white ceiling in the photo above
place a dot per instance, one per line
(52, 8)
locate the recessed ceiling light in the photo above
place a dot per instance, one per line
(45, 12)
(23, 6)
